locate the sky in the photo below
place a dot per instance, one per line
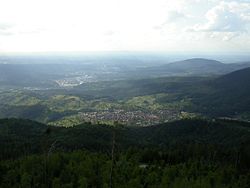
(124, 25)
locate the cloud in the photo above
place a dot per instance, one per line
(4, 26)
(109, 33)
(124, 25)
(224, 36)
(229, 36)
(5, 29)
(172, 17)
(175, 15)
(8, 29)
(226, 17)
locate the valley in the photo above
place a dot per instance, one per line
(169, 125)
(139, 102)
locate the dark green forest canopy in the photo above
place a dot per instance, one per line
(186, 153)
(30, 136)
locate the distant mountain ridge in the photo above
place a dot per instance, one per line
(44, 75)
(197, 66)
(199, 61)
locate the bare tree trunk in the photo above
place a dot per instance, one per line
(112, 160)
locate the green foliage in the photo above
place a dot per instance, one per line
(186, 153)
(21, 137)
(86, 169)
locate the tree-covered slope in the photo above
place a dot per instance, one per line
(28, 136)
(187, 153)
(229, 95)
(238, 81)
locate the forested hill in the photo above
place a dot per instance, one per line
(198, 66)
(186, 153)
(239, 80)
(24, 136)
(228, 95)
(194, 66)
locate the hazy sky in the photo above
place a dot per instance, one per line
(96, 25)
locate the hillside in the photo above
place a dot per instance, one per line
(195, 66)
(236, 80)
(23, 135)
(178, 154)
(65, 73)
(135, 102)
(229, 95)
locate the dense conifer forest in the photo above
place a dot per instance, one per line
(186, 153)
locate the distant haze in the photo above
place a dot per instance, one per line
(148, 57)
(124, 25)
